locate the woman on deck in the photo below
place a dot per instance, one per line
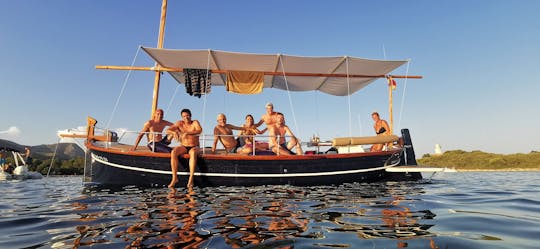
(381, 128)
(248, 134)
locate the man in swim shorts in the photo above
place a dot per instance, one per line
(153, 129)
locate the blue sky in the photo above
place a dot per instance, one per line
(478, 59)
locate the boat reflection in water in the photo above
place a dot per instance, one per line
(349, 215)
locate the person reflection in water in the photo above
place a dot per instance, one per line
(184, 209)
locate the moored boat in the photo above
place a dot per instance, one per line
(17, 167)
(111, 162)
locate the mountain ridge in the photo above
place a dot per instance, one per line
(65, 151)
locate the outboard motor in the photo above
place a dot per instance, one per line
(408, 157)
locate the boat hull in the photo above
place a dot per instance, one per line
(110, 168)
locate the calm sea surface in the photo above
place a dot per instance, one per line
(452, 210)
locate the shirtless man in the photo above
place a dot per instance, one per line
(281, 147)
(223, 132)
(269, 118)
(155, 126)
(187, 131)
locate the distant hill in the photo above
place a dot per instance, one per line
(478, 160)
(65, 151)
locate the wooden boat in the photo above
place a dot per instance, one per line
(111, 162)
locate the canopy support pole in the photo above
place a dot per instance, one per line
(218, 71)
(157, 78)
(390, 108)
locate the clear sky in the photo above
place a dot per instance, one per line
(479, 61)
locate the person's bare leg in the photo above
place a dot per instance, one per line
(280, 151)
(376, 147)
(192, 163)
(294, 142)
(174, 164)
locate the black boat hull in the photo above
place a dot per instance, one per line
(110, 167)
(120, 169)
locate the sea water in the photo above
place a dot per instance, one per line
(450, 210)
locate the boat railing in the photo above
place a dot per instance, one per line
(109, 138)
(205, 137)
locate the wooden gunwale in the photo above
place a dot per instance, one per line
(244, 157)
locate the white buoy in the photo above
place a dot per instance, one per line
(438, 150)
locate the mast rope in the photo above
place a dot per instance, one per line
(289, 94)
(403, 95)
(205, 94)
(349, 96)
(123, 88)
(52, 159)
(172, 98)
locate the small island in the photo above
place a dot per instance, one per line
(482, 161)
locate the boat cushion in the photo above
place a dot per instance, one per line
(345, 141)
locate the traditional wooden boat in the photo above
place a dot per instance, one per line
(111, 162)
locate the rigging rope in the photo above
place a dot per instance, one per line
(205, 94)
(317, 113)
(52, 159)
(172, 98)
(349, 97)
(289, 94)
(123, 87)
(403, 96)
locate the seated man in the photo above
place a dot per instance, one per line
(281, 147)
(269, 118)
(223, 133)
(156, 142)
(187, 132)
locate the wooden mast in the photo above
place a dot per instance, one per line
(390, 105)
(157, 78)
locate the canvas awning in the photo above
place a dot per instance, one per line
(325, 74)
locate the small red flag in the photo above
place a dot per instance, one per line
(391, 82)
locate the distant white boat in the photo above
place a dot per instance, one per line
(20, 169)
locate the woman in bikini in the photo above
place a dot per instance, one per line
(248, 134)
(381, 128)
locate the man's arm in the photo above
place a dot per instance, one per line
(216, 138)
(174, 131)
(289, 132)
(145, 129)
(259, 123)
(234, 127)
(196, 129)
(167, 123)
(273, 137)
(262, 131)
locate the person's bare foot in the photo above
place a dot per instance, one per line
(173, 182)
(190, 185)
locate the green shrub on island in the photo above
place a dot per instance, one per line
(478, 160)
(59, 167)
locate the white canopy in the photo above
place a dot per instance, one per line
(331, 75)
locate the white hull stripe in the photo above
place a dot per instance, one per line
(344, 172)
